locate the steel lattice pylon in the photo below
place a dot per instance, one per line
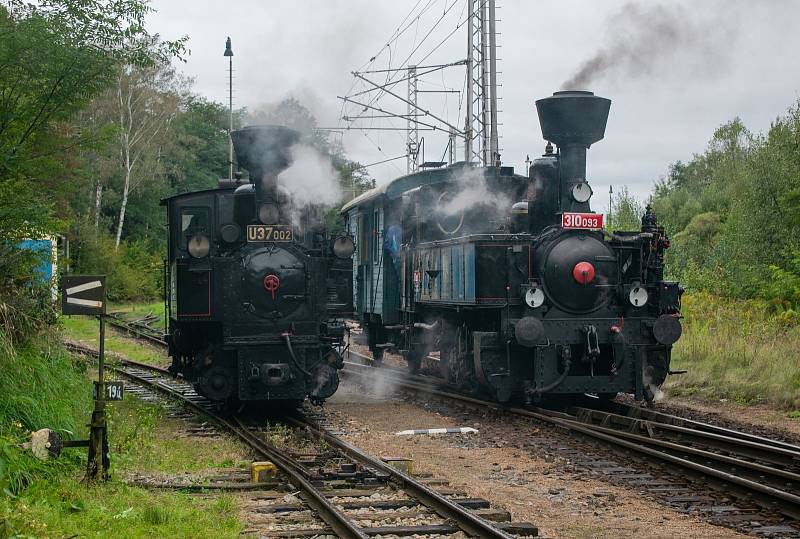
(412, 145)
(481, 139)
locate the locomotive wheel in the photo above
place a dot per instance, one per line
(217, 384)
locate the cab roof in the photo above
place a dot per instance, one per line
(395, 188)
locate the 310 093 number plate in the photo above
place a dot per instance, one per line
(592, 221)
(269, 233)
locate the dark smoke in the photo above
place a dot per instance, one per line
(652, 39)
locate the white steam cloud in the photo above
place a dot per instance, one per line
(311, 178)
(472, 190)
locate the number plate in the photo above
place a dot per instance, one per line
(591, 221)
(269, 233)
(114, 391)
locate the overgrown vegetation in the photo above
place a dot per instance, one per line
(737, 350)
(733, 213)
(733, 216)
(43, 386)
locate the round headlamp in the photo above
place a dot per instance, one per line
(199, 246)
(534, 297)
(581, 192)
(343, 247)
(638, 296)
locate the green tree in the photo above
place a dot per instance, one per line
(626, 212)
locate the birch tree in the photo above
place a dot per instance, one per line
(147, 99)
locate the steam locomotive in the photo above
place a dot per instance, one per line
(507, 284)
(255, 287)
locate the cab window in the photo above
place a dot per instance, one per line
(194, 221)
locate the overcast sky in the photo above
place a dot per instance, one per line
(675, 70)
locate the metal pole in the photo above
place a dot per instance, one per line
(493, 139)
(470, 85)
(230, 111)
(229, 54)
(98, 462)
(101, 369)
(485, 149)
(451, 152)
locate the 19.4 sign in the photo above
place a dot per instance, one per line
(269, 233)
(591, 221)
(114, 391)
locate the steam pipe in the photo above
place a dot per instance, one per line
(426, 327)
(566, 362)
(288, 340)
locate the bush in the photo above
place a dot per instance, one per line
(740, 350)
(133, 271)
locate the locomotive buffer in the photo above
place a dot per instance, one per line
(86, 295)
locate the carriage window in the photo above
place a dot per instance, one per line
(194, 221)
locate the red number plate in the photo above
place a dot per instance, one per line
(592, 221)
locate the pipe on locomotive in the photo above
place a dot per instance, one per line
(573, 120)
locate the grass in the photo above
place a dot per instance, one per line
(736, 350)
(65, 507)
(139, 310)
(87, 331)
(144, 439)
(54, 502)
(41, 385)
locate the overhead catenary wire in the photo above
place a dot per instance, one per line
(361, 108)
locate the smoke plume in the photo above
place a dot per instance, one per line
(655, 39)
(473, 191)
(310, 178)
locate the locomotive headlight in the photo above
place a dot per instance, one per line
(581, 192)
(638, 295)
(268, 213)
(343, 247)
(534, 297)
(199, 246)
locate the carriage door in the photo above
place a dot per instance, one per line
(362, 277)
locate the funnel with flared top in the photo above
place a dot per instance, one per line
(573, 118)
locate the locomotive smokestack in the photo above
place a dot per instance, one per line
(264, 151)
(574, 120)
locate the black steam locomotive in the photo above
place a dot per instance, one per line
(507, 284)
(255, 287)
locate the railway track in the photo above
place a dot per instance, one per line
(139, 328)
(339, 486)
(716, 465)
(737, 479)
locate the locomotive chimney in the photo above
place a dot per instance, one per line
(573, 120)
(264, 151)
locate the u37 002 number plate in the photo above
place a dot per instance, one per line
(269, 233)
